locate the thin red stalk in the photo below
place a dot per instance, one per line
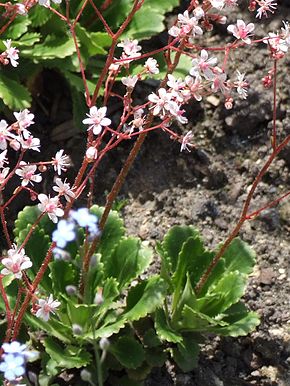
(274, 131)
(110, 56)
(88, 98)
(80, 13)
(100, 16)
(18, 190)
(31, 230)
(18, 299)
(243, 216)
(269, 205)
(58, 14)
(29, 295)
(6, 303)
(4, 225)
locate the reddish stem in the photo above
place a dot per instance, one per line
(34, 286)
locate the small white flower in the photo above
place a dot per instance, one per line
(50, 206)
(203, 65)
(91, 154)
(195, 88)
(186, 25)
(161, 101)
(46, 3)
(16, 262)
(266, 6)
(130, 47)
(186, 141)
(129, 81)
(30, 143)
(218, 4)
(24, 119)
(20, 9)
(241, 85)
(151, 66)
(26, 172)
(3, 159)
(46, 307)
(64, 233)
(4, 134)
(60, 162)
(13, 367)
(3, 174)
(11, 53)
(63, 189)
(242, 30)
(276, 43)
(97, 119)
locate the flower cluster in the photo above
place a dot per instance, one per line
(15, 262)
(45, 307)
(10, 54)
(14, 360)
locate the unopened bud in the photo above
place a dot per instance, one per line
(14, 144)
(86, 375)
(77, 329)
(91, 154)
(99, 298)
(42, 168)
(71, 290)
(104, 344)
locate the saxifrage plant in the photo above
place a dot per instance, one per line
(188, 313)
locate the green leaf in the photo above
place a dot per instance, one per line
(62, 273)
(246, 323)
(68, 357)
(129, 259)
(145, 303)
(172, 244)
(13, 94)
(92, 43)
(128, 352)
(193, 320)
(53, 327)
(39, 16)
(28, 40)
(76, 82)
(53, 47)
(230, 288)
(165, 332)
(239, 256)
(193, 260)
(146, 22)
(17, 28)
(36, 248)
(186, 354)
(80, 314)
(113, 232)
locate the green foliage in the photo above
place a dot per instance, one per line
(144, 320)
(216, 307)
(119, 262)
(43, 39)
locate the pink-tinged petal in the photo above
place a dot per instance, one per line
(231, 28)
(241, 23)
(87, 121)
(105, 122)
(250, 27)
(93, 110)
(26, 264)
(97, 129)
